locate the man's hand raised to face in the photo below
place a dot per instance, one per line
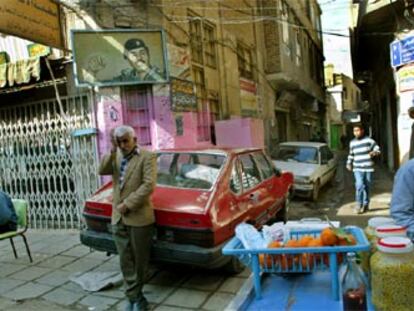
(114, 143)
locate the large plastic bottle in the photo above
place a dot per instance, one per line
(370, 231)
(392, 274)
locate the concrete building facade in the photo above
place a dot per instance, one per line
(388, 103)
(343, 98)
(216, 48)
(294, 66)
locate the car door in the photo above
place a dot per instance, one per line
(332, 164)
(237, 204)
(254, 194)
(327, 165)
(272, 183)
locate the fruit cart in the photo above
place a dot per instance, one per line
(295, 260)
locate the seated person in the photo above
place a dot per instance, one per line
(8, 217)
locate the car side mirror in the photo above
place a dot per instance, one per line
(277, 172)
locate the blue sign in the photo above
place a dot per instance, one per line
(402, 51)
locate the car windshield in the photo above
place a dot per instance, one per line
(298, 154)
(189, 170)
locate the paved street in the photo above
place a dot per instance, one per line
(45, 284)
(337, 200)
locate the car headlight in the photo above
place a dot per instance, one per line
(302, 180)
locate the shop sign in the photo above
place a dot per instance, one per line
(37, 50)
(183, 97)
(248, 95)
(34, 20)
(406, 78)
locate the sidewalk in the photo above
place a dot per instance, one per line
(44, 284)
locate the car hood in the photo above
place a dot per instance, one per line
(297, 168)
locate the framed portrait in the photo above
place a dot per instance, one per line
(119, 57)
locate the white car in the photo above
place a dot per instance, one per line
(312, 164)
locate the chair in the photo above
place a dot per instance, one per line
(20, 207)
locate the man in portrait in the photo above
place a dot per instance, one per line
(136, 52)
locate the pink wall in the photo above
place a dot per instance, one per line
(108, 116)
(163, 123)
(240, 132)
(189, 137)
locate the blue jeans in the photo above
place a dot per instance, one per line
(362, 186)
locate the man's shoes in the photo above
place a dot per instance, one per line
(358, 209)
(365, 208)
(141, 305)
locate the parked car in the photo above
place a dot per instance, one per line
(312, 164)
(200, 197)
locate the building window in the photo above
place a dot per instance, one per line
(244, 58)
(311, 54)
(202, 41)
(196, 40)
(345, 93)
(298, 48)
(285, 19)
(210, 45)
(203, 118)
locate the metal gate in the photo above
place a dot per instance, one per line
(49, 158)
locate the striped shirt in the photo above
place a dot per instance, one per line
(359, 157)
(124, 165)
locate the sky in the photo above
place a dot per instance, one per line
(336, 18)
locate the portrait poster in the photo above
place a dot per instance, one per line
(119, 57)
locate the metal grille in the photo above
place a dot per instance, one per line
(48, 159)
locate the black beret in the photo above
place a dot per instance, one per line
(133, 44)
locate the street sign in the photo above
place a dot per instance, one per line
(402, 51)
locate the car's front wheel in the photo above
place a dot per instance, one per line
(315, 192)
(282, 215)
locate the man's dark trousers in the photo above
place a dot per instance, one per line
(134, 248)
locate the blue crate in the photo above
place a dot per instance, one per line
(289, 259)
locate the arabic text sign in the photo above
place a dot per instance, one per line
(34, 20)
(406, 79)
(402, 51)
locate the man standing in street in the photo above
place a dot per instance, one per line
(362, 150)
(8, 217)
(133, 173)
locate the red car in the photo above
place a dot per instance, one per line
(200, 197)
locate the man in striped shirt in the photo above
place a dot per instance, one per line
(362, 150)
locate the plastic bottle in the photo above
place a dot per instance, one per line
(370, 231)
(354, 292)
(392, 274)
